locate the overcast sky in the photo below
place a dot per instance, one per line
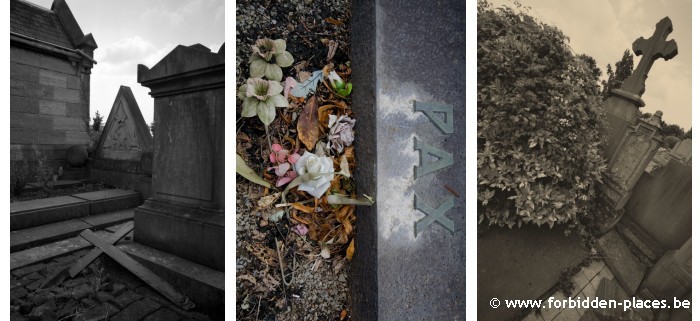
(132, 32)
(603, 29)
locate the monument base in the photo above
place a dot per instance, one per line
(194, 234)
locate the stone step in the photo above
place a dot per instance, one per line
(642, 245)
(39, 212)
(59, 184)
(75, 173)
(625, 266)
(110, 200)
(38, 235)
(50, 251)
(203, 285)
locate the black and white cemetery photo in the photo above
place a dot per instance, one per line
(584, 163)
(116, 160)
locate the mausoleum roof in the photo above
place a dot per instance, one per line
(33, 21)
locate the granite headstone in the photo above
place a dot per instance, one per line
(185, 215)
(408, 73)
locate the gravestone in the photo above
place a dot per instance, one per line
(683, 151)
(124, 141)
(633, 142)
(185, 214)
(635, 151)
(408, 73)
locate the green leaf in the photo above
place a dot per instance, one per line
(275, 87)
(257, 68)
(284, 59)
(280, 45)
(245, 171)
(250, 107)
(266, 112)
(279, 101)
(345, 92)
(273, 72)
(242, 91)
(339, 199)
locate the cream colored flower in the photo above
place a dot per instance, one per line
(260, 97)
(320, 173)
(268, 57)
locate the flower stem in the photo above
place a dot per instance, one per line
(269, 142)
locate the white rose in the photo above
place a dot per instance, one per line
(318, 169)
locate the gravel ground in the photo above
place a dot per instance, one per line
(318, 288)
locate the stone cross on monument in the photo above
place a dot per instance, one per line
(653, 48)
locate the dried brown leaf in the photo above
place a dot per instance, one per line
(267, 201)
(307, 127)
(350, 251)
(303, 208)
(333, 21)
(248, 277)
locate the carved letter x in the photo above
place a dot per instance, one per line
(653, 48)
(433, 215)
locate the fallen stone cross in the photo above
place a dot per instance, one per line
(63, 273)
(84, 261)
(139, 270)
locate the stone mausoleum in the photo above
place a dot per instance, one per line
(50, 64)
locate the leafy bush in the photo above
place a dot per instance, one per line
(19, 177)
(45, 174)
(540, 122)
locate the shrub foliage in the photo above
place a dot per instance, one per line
(540, 122)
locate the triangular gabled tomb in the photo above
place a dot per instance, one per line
(125, 135)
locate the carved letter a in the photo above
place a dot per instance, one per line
(444, 158)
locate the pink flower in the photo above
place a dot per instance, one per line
(284, 161)
(300, 229)
(341, 132)
(289, 83)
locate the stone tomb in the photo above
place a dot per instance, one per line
(123, 153)
(50, 66)
(185, 214)
(409, 262)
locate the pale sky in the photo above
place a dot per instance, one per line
(603, 29)
(132, 32)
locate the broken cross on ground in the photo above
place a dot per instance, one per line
(61, 274)
(139, 270)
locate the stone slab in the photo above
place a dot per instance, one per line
(44, 211)
(50, 251)
(100, 221)
(111, 200)
(59, 184)
(26, 238)
(626, 268)
(75, 174)
(523, 263)
(203, 285)
(190, 233)
(410, 138)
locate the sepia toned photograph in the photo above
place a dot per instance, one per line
(117, 160)
(584, 160)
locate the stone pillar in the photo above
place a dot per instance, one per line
(185, 215)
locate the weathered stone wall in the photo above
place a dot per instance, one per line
(49, 105)
(661, 203)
